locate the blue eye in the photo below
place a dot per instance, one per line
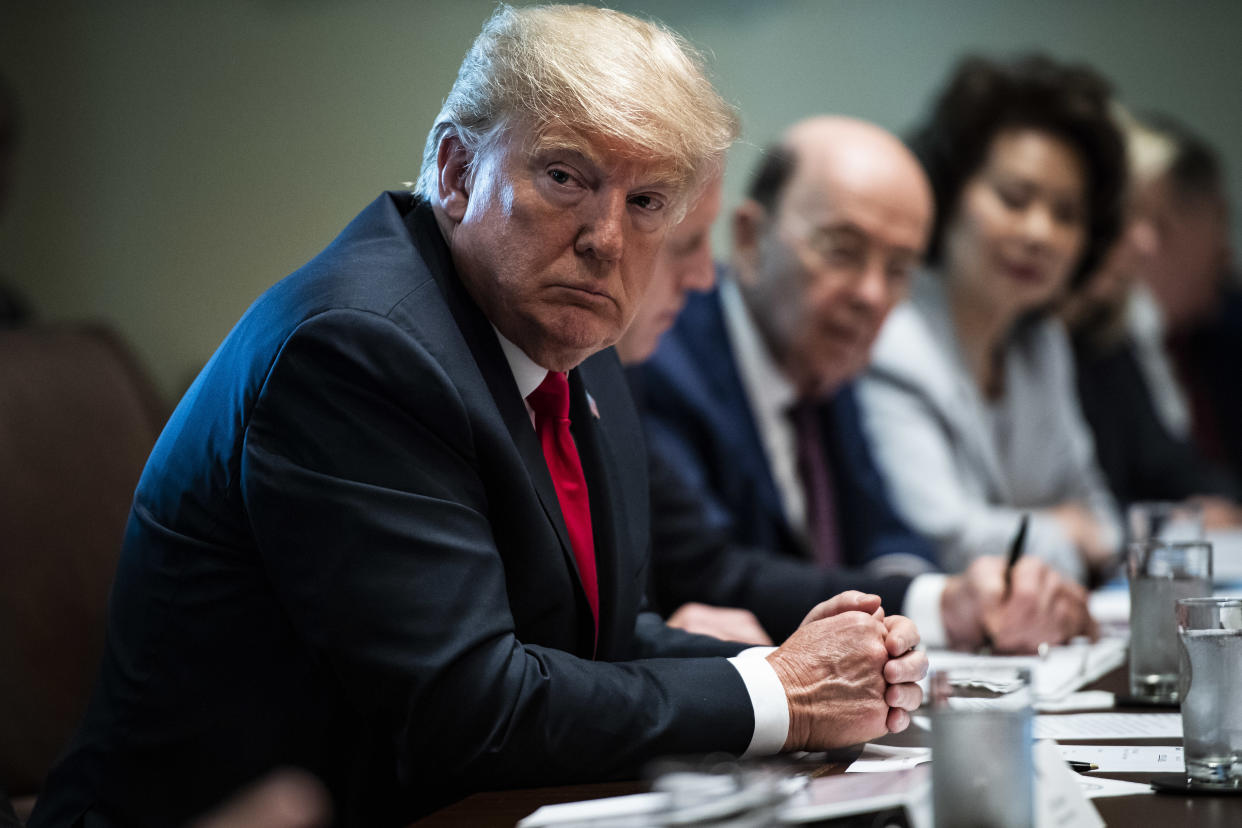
(559, 176)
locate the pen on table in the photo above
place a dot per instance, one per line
(1082, 767)
(1015, 548)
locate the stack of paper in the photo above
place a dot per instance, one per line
(1062, 671)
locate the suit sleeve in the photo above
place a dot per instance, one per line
(868, 518)
(361, 484)
(915, 450)
(694, 560)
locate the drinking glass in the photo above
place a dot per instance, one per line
(1210, 630)
(982, 764)
(1161, 573)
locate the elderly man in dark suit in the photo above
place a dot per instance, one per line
(836, 222)
(396, 531)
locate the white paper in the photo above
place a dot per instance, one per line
(1099, 787)
(1064, 670)
(1082, 700)
(1059, 799)
(635, 807)
(1109, 726)
(1226, 556)
(1110, 604)
(880, 758)
(1128, 758)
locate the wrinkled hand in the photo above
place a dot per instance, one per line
(283, 799)
(848, 601)
(1040, 606)
(725, 623)
(849, 674)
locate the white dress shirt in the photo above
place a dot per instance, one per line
(1145, 322)
(770, 395)
(767, 694)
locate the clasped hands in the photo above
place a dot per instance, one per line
(849, 673)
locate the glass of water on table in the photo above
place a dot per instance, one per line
(1210, 630)
(1161, 573)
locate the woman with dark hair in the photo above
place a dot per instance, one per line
(970, 399)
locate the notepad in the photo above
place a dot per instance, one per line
(1128, 758)
(1109, 726)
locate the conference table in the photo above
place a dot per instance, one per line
(505, 808)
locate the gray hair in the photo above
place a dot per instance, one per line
(600, 74)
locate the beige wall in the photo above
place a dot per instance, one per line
(176, 163)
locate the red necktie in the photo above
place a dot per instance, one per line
(550, 402)
(821, 508)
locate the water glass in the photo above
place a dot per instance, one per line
(1161, 573)
(1210, 630)
(982, 762)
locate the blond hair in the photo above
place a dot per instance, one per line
(598, 73)
(1149, 152)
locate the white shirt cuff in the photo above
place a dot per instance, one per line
(922, 606)
(767, 697)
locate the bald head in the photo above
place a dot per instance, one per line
(848, 159)
(836, 226)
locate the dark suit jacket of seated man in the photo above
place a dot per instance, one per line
(347, 552)
(708, 457)
(338, 558)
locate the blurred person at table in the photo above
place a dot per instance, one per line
(396, 533)
(1141, 455)
(724, 564)
(970, 400)
(1196, 312)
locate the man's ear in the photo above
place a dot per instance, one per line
(749, 220)
(453, 176)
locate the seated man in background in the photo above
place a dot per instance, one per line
(395, 533)
(1137, 441)
(1197, 293)
(722, 540)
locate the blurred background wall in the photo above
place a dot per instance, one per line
(178, 158)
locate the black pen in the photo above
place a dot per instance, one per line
(1015, 548)
(1015, 552)
(1082, 767)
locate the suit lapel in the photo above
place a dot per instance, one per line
(485, 347)
(597, 456)
(964, 407)
(709, 338)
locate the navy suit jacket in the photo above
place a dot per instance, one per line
(700, 426)
(346, 554)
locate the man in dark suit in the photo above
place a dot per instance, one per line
(1188, 267)
(396, 531)
(836, 221)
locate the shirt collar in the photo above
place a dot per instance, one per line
(762, 378)
(526, 372)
